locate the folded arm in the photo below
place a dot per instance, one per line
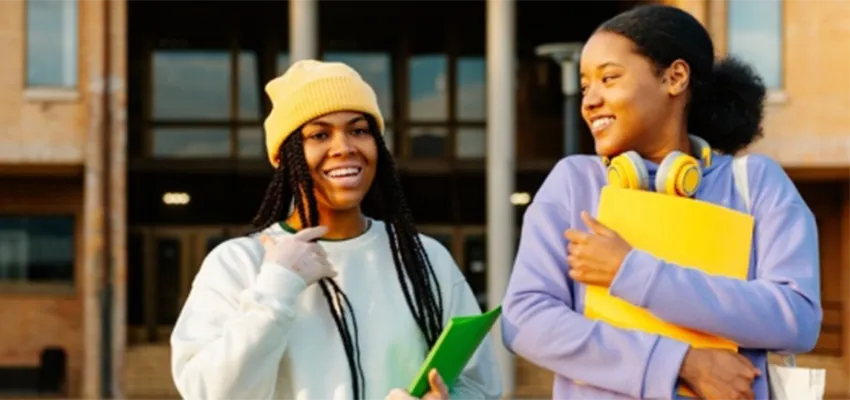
(230, 337)
(540, 323)
(778, 311)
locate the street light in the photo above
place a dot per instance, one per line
(567, 55)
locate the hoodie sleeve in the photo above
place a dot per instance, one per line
(778, 311)
(233, 329)
(540, 323)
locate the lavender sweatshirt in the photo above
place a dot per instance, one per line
(777, 309)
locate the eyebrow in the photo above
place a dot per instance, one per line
(326, 124)
(606, 65)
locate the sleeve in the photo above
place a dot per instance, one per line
(230, 335)
(778, 311)
(481, 378)
(540, 323)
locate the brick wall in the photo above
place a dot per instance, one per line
(45, 126)
(39, 317)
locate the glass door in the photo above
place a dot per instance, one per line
(162, 264)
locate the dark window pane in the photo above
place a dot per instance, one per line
(37, 248)
(428, 88)
(475, 248)
(471, 104)
(249, 87)
(282, 63)
(428, 142)
(135, 280)
(51, 43)
(191, 84)
(251, 142)
(191, 142)
(168, 255)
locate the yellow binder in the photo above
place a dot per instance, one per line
(687, 232)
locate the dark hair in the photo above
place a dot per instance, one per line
(387, 196)
(727, 96)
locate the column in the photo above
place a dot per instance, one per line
(567, 55)
(501, 154)
(303, 30)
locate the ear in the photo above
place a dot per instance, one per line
(677, 76)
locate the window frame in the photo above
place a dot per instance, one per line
(453, 54)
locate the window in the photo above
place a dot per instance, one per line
(203, 108)
(51, 43)
(755, 35)
(37, 249)
(447, 119)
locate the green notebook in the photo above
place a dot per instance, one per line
(453, 349)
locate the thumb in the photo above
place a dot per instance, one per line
(312, 233)
(594, 225)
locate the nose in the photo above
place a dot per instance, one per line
(341, 145)
(591, 99)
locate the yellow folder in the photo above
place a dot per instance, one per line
(687, 232)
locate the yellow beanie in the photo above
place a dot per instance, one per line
(310, 89)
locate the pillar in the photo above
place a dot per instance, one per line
(501, 155)
(303, 30)
(567, 55)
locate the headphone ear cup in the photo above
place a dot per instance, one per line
(678, 175)
(628, 171)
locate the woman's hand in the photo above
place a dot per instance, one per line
(595, 257)
(300, 254)
(718, 374)
(438, 391)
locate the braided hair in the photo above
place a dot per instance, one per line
(387, 197)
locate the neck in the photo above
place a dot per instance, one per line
(670, 140)
(341, 224)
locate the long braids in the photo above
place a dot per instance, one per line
(411, 261)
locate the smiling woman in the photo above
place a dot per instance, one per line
(314, 304)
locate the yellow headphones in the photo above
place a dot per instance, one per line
(678, 174)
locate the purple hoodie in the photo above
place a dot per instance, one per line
(777, 309)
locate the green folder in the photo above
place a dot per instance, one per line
(453, 349)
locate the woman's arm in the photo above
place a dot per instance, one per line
(540, 324)
(778, 311)
(231, 335)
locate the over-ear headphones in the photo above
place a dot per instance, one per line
(679, 174)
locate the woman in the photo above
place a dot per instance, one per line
(325, 303)
(648, 80)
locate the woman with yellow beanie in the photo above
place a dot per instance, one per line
(323, 302)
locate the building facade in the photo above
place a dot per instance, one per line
(131, 144)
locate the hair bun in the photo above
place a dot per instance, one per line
(735, 104)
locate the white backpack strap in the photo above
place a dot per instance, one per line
(742, 185)
(739, 174)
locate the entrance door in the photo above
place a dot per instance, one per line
(163, 263)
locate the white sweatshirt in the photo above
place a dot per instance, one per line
(251, 330)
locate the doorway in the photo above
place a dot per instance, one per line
(162, 264)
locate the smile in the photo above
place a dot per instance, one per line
(601, 123)
(343, 172)
(349, 177)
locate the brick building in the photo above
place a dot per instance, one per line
(126, 129)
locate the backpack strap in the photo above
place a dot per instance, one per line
(742, 185)
(739, 175)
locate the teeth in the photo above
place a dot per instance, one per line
(601, 123)
(341, 172)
